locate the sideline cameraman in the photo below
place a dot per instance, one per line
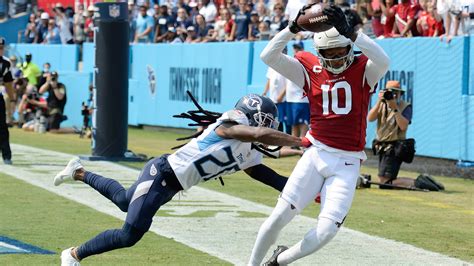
(393, 116)
(31, 106)
(55, 103)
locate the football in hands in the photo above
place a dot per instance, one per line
(313, 19)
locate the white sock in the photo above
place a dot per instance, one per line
(268, 233)
(315, 239)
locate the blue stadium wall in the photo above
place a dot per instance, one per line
(439, 79)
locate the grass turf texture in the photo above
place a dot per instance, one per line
(440, 222)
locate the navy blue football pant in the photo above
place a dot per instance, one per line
(156, 185)
(4, 135)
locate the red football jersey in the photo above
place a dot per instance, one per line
(338, 103)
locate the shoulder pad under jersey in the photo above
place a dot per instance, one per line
(236, 116)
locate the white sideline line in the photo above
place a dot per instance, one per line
(225, 235)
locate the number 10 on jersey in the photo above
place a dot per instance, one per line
(333, 92)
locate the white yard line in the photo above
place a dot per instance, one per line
(225, 235)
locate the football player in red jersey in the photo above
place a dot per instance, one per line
(338, 85)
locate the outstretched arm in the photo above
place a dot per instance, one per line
(267, 176)
(262, 135)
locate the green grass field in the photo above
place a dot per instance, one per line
(438, 221)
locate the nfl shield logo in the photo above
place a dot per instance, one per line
(114, 11)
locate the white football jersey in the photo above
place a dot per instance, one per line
(210, 156)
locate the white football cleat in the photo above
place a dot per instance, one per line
(67, 259)
(68, 172)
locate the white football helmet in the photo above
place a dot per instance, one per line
(332, 39)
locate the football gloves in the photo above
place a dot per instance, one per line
(294, 27)
(337, 18)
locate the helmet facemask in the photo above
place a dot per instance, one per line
(327, 63)
(265, 119)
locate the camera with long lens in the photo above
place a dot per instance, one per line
(388, 95)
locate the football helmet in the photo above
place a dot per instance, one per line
(260, 110)
(332, 39)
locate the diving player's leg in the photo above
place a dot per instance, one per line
(302, 186)
(153, 189)
(108, 187)
(336, 199)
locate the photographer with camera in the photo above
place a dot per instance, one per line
(32, 106)
(55, 103)
(393, 116)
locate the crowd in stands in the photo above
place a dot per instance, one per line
(176, 21)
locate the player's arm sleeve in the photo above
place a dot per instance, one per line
(287, 66)
(378, 62)
(267, 176)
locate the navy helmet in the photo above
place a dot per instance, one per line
(260, 110)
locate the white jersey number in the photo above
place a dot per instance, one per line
(334, 102)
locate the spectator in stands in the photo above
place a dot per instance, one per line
(164, 20)
(194, 9)
(30, 70)
(353, 18)
(262, 10)
(42, 28)
(201, 27)
(278, 21)
(224, 26)
(182, 21)
(264, 31)
(427, 25)
(132, 11)
(52, 36)
(393, 117)
(31, 31)
(253, 26)
(89, 25)
(172, 36)
(461, 11)
(62, 20)
(406, 15)
(211, 35)
(208, 10)
(79, 25)
(388, 17)
(190, 34)
(145, 25)
(374, 12)
(242, 19)
(298, 106)
(180, 4)
(467, 17)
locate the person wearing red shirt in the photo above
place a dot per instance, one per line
(388, 17)
(338, 84)
(406, 15)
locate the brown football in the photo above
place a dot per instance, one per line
(314, 20)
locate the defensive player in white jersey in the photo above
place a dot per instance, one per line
(338, 85)
(225, 147)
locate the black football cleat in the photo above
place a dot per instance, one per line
(273, 259)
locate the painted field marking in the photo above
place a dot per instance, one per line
(228, 234)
